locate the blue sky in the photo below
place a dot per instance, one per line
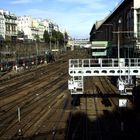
(75, 16)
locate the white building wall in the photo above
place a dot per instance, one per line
(2, 27)
(8, 24)
(38, 24)
(136, 3)
(46, 24)
(25, 25)
(56, 27)
(32, 27)
(135, 7)
(41, 30)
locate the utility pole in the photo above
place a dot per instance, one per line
(50, 40)
(64, 42)
(36, 45)
(119, 39)
(119, 22)
(19, 121)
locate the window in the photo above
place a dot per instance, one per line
(129, 22)
(138, 24)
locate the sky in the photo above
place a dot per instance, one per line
(75, 16)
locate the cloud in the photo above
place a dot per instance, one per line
(21, 1)
(95, 4)
(80, 1)
(24, 1)
(76, 16)
(76, 23)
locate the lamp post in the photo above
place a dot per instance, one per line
(64, 43)
(37, 52)
(118, 37)
(119, 22)
(50, 40)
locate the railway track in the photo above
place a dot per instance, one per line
(46, 110)
(27, 77)
(38, 97)
(97, 116)
(110, 93)
(32, 105)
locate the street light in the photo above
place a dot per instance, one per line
(118, 32)
(50, 40)
(64, 42)
(119, 22)
(37, 53)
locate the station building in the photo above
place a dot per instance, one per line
(121, 28)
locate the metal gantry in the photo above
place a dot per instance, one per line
(122, 67)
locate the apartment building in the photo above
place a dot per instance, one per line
(25, 25)
(33, 28)
(8, 25)
(2, 26)
(121, 28)
(39, 26)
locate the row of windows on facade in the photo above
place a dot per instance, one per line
(7, 20)
(2, 22)
(1, 31)
(10, 28)
(23, 19)
(24, 22)
(2, 27)
(138, 29)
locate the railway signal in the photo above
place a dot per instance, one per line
(123, 68)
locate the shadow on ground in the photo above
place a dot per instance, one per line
(121, 124)
(109, 126)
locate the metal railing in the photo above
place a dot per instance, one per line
(122, 62)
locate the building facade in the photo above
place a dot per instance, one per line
(121, 28)
(8, 26)
(34, 28)
(2, 26)
(25, 26)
